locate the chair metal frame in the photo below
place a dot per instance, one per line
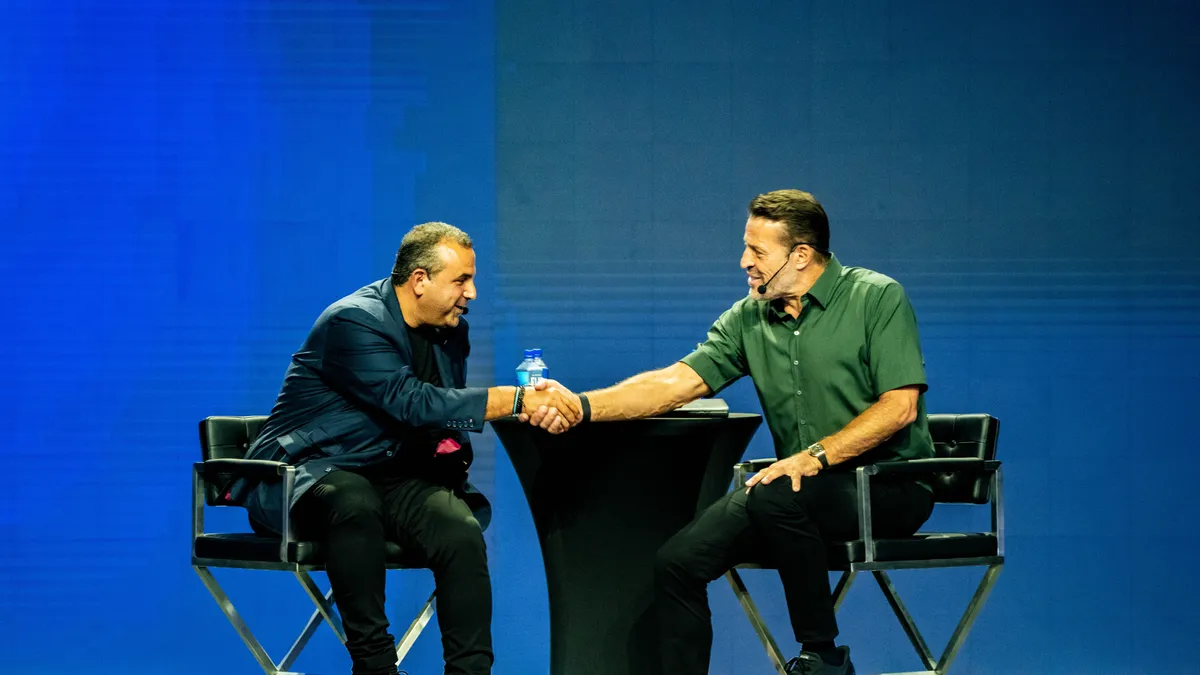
(879, 569)
(324, 612)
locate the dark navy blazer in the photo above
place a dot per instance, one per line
(350, 400)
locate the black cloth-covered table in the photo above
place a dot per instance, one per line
(604, 497)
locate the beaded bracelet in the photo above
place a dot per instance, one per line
(518, 400)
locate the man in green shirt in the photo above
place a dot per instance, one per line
(836, 360)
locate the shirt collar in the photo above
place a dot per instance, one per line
(821, 292)
(392, 302)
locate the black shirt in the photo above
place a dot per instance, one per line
(418, 456)
(424, 363)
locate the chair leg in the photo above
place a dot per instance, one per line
(324, 603)
(756, 620)
(239, 625)
(960, 632)
(323, 613)
(968, 618)
(906, 621)
(414, 629)
(760, 626)
(842, 589)
(301, 640)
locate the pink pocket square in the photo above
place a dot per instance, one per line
(447, 446)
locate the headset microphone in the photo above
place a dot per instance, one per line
(762, 288)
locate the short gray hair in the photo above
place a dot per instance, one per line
(418, 249)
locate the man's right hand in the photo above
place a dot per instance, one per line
(551, 406)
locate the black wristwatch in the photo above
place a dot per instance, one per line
(818, 451)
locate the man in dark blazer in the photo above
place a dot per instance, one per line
(373, 412)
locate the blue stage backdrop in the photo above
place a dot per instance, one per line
(185, 185)
(1025, 169)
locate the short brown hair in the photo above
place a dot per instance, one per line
(802, 214)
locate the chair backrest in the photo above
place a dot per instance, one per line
(226, 438)
(968, 436)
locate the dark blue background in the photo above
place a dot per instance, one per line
(184, 185)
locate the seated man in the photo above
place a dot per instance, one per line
(372, 413)
(834, 355)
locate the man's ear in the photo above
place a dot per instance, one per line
(419, 278)
(804, 256)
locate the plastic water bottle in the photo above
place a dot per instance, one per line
(537, 361)
(530, 371)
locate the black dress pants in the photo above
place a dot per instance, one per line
(784, 528)
(354, 517)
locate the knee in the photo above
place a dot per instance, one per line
(670, 562)
(766, 503)
(459, 538)
(351, 503)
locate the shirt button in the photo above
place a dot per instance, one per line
(389, 453)
(795, 363)
(803, 422)
(798, 392)
(795, 332)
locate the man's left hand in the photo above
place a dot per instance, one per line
(795, 467)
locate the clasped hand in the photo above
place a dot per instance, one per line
(549, 405)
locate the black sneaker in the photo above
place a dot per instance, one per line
(810, 663)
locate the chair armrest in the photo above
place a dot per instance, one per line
(755, 465)
(918, 467)
(204, 474)
(257, 469)
(933, 465)
(742, 470)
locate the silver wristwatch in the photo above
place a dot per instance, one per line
(818, 451)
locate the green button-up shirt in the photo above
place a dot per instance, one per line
(856, 338)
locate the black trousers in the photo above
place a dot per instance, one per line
(354, 517)
(785, 528)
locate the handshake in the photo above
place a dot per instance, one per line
(549, 405)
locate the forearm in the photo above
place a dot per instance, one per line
(648, 394)
(361, 363)
(499, 402)
(876, 424)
